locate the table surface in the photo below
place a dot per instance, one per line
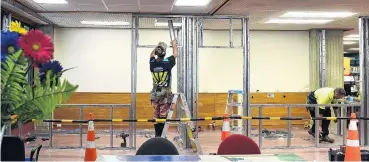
(244, 158)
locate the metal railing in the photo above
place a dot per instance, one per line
(111, 129)
(341, 122)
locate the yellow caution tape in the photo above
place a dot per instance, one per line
(117, 120)
(331, 118)
(185, 119)
(208, 118)
(160, 120)
(275, 118)
(247, 117)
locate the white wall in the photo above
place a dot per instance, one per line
(279, 60)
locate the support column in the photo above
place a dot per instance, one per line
(187, 71)
(334, 59)
(246, 75)
(326, 62)
(326, 59)
(364, 72)
(317, 57)
(132, 110)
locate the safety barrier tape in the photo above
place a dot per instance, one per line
(201, 119)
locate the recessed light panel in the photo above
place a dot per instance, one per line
(349, 42)
(350, 38)
(353, 49)
(311, 14)
(51, 1)
(298, 21)
(192, 2)
(105, 23)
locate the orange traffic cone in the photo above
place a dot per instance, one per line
(226, 130)
(352, 144)
(90, 154)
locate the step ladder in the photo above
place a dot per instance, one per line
(231, 107)
(190, 127)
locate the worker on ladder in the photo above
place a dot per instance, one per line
(323, 96)
(161, 95)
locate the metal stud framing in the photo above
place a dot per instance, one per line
(322, 59)
(190, 36)
(364, 72)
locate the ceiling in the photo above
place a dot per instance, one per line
(258, 11)
(126, 6)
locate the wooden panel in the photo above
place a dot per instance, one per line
(210, 104)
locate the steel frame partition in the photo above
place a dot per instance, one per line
(322, 59)
(190, 36)
(364, 72)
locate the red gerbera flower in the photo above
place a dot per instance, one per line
(37, 46)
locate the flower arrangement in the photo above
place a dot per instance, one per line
(22, 50)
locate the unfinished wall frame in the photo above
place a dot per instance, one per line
(364, 82)
(189, 40)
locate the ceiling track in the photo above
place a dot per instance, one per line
(219, 6)
(21, 10)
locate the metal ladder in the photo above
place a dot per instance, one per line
(230, 105)
(189, 125)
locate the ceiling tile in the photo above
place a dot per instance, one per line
(58, 7)
(121, 2)
(179, 10)
(91, 8)
(155, 9)
(72, 19)
(86, 2)
(31, 4)
(157, 2)
(123, 8)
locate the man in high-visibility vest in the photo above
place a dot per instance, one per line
(324, 96)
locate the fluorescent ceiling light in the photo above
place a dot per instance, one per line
(166, 24)
(352, 36)
(350, 39)
(349, 42)
(318, 14)
(108, 23)
(353, 49)
(192, 2)
(51, 1)
(298, 21)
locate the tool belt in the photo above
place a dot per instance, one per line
(161, 94)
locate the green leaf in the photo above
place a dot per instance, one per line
(45, 99)
(30, 100)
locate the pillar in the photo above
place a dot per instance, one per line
(187, 69)
(364, 72)
(326, 62)
(334, 58)
(326, 59)
(246, 75)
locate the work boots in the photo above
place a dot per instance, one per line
(321, 138)
(313, 134)
(327, 139)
